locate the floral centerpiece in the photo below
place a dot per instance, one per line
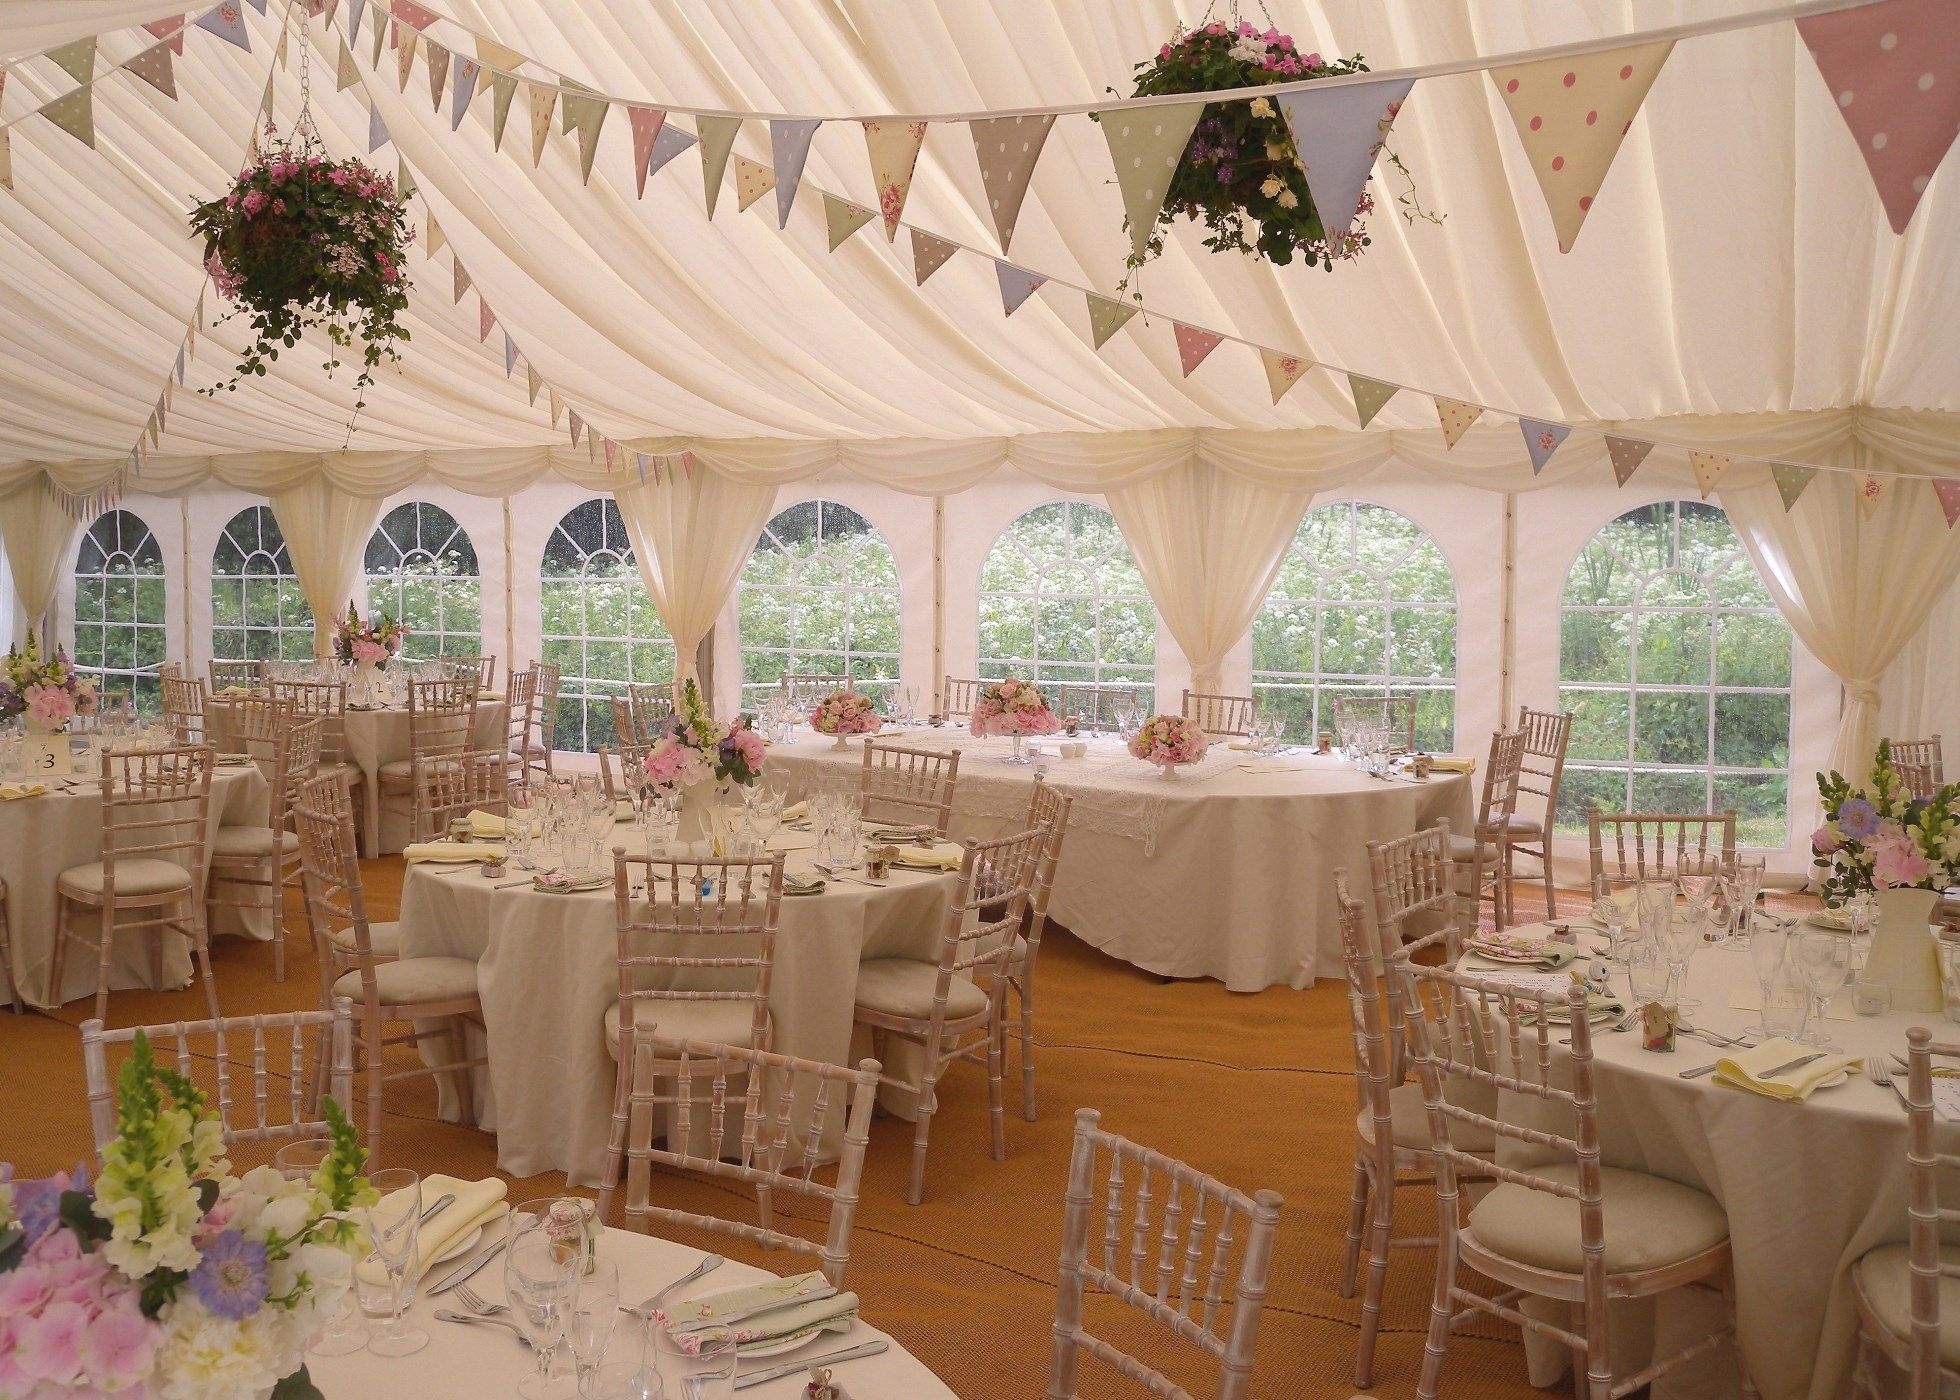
(1169, 740)
(367, 641)
(1240, 173)
(302, 241)
(47, 692)
(167, 1276)
(1014, 707)
(845, 712)
(694, 747)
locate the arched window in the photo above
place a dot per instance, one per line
(1363, 604)
(599, 626)
(257, 608)
(119, 606)
(1061, 601)
(819, 594)
(1677, 667)
(421, 570)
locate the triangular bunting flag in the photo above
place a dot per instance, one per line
(1893, 71)
(382, 29)
(1456, 417)
(1709, 467)
(227, 21)
(460, 280)
(577, 426)
(587, 116)
(462, 87)
(1571, 114)
(1948, 493)
(1337, 131)
(532, 383)
(345, 74)
(646, 123)
(669, 143)
(1626, 455)
(485, 319)
(279, 53)
(510, 355)
(6, 160)
(438, 61)
(260, 5)
(404, 181)
(494, 55)
(612, 451)
(1193, 345)
(1017, 284)
(1790, 479)
(503, 87)
(929, 254)
(1541, 440)
(640, 460)
(1007, 148)
(180, 364)
(1369, 396)
(1871, 490)
(1145, 144)
(77, 60)
(75, 114)
(789, 148)
(355, 9)
(437, 238)
(172, 29)
(894, 150)
(557, 408)
(1106, 316)
(413, 15)
(377, 130)
(752, 181)
(543, 100)
(406, 40)
(156, 67)
(717, 140)
(1282, 371)
(842, 218)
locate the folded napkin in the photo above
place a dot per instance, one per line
(10, 791)
(796, 811)
(477, 1203)
(487, 826)
(946, 855)
(1747, 1070)
(1450, 763)
(558, 882)
(623, 810)
(236, 690)
(904, 831)
(764, 1313)
(453, 852)
(491, 695)
(1504, 947)
(796, 884)
(1273, 767)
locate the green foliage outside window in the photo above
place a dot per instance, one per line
(819, 595)
(599, 626)
(422, 571)
(257, 607)
(119, 607)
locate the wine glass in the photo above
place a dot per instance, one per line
(394, 1227)
(1613, 905)
(541, 1281)
(766, 817)
(1749, 872)
(520, 807)
(1825, 959)
(595, 1309)
(1679, 943)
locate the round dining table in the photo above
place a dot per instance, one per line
(547, 970)
(1218, 871)
(465, 1362)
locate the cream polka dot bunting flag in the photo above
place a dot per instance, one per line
(1369, 396)
(1571, 114)
(1282, 371)
(1145, 144)
(1193, 345)
(544, 100)
(1107, 316)
(929, 254)
(842, 219)
(1626, 455)
(752, 181)
(1790, 481)
(1007, 148)
(1709, 467)
(1456, 418)
(894, 151)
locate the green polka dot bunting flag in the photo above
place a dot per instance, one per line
(75, 114)
(1107, 316)
(437, 58)
(77, 60)
(1007, 148)
(1145, 144)
(503, 87)
(1790, 480)
(1626, 455)
(717, 140)
(1370, 395)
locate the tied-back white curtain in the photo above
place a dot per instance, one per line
(326, 532)
(36, 533)
(692, 531)
(1208, 543)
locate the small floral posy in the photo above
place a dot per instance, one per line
(1168, 740)
(48, 692)
(1012, 706)
(846, 712)
(1881, 837)
(367, 641)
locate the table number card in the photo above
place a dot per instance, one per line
(47, 755)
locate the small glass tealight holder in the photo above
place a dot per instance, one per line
(1870, 998)
(459, 830)
(1323, 742)
(491, 869)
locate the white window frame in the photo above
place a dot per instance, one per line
(417, 558)
(143, 697)
(856, 596)
(278, 568)
(583, 688)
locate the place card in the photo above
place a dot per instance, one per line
(1946, 1098)
(1751, 999)
(48, 755)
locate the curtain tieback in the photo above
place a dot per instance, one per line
(1861, 693)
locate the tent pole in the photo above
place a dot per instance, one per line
(510, 598)
(1508, 658)
(938, 603)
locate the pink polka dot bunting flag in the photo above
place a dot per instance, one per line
(929, 254)
(460, 280)
(1193, 345)
(1893, 71)
(1456, 418)
(646, 123)
(1007, 148)
(789, 148)
(1948, 493)
(752, 181)
(1282, 371)
(1709, 467)
(1017, 284)
(894, 150)
(1541, 440)
(842, 218)
(1571, 114)
(414, 15)
(1369, 396)
(1337, 131)
(1145, 144)
(171, 28)
(485, 319)
(1107, 316)
(1790, 479)
(1626, 455)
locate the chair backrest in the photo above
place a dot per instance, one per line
(156, 803)
(1921, 767)
(304, 739)
(652, 704)
(910, 785)
(1394, 713)
(1048, 806)
(520, 708)
(1646, 841)
(1501, 775)
(546, 710)
(1222, 714)
(1927, 1221)
(183, 706)
(483, 668)
(1542, 766)
(257, 726)
(1412, 875)
(1377, 1062)
(440, 716)
(249, 673)
(1179, 1270)
(701, 919)
(288, 1110)
(628, 759)
(452, 787)
(1094, 706)
(328, 700)
(625, 729)
(997, 880)
(957, 697)
(330, 878)
(784, 1099)
(804, 689)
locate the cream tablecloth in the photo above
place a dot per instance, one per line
(1808, 1188)
(467, 1363)
(42, 836)
(1219, 872)
(548, 970)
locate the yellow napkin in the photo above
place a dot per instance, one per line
(238, 690)
(623, 810)
(1450, 763)
(487, 826)
(1243, 744)
(10, 791)
(1273, 767)
(944, 856)
(796, 811)
(1744, 1071)
(477, 1203)
(453, 852)
(491, 695)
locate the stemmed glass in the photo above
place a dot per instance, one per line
(344, 1331)
(1123, 710)
(541, 1280)
(766, 816)
(1769, 945)
(1654, 903)
(594, 1312)
(1678, 942)
(1748, 883)
(1825, 959)
(519, 808)
(394, 1226)
(1613, 906)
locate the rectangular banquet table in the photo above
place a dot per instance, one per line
(548, 969)
(42, 836)
(1218, 872)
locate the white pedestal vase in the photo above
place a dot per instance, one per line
(1904, 954)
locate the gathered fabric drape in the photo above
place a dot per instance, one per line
(36, 533)
(326, 532)
(1208, 544)
(692, 532)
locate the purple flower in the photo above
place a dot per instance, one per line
(230, 1279)
(37, 1203)
(1857, 819)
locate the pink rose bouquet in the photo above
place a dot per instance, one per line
(1013, 706)
(367, 641)
(48, 692)
(1168, 740)
(845, 712)
(695, 746)
(1882, 837)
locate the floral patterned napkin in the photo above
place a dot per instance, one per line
(760, 1314)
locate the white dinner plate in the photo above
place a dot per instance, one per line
(755, 1351)
(460, 1246)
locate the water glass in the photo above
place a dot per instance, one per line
(623, 1380)
(541, 1281)
(706, 1374)
(1614, 901)
(1769, 946)
(1786, 1004)
(394, 1227)
(1825, 959)
(1679, 944)
(1749, 872)
(520, 811)
(766, 817)
(1649, 978)
(595, 1310)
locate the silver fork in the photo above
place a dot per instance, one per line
(1880, 1073)
(477, 1303)
(1714, 1037)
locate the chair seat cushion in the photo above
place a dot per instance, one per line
(1650, 1221)
(718, 1022)
(400, 773)
(384, 939)
(138, 875)
(1464, 849)
(1409, 1120)
(1884, 1277)
(1518, 825)
(414, 981)
(251, 841)
(905, 987)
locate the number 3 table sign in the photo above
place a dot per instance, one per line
(48, 755)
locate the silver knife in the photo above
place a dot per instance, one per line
(1797, 1063)
(467, 1267)
(745, 1379)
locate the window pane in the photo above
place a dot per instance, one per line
(598, 625)
(258, 608)
(119, 606)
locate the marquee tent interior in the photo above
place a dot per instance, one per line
(580, 335)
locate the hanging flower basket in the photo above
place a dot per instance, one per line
(1240, 175)
(304, 241)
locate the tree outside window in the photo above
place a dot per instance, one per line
(598, 623)
(257, 607)
(819, 595)
(422, 571)
(119, 607)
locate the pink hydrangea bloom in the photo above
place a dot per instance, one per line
(367, 653)
(49, 704)
(1896, 861)
(1825, 841)
(749, 744)
(50, 1344)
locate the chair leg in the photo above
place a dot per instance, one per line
(278, 911)
(1735, 1338)
(915, 1192)
(201, 949)
(616, 1134)
(1357, 1215)
(374, 1077)
(1379, 1231)
(1026, 991)
(1439, 1299)
(60, 957)
(996, 1064)
(1551, 891)
(105, 949)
